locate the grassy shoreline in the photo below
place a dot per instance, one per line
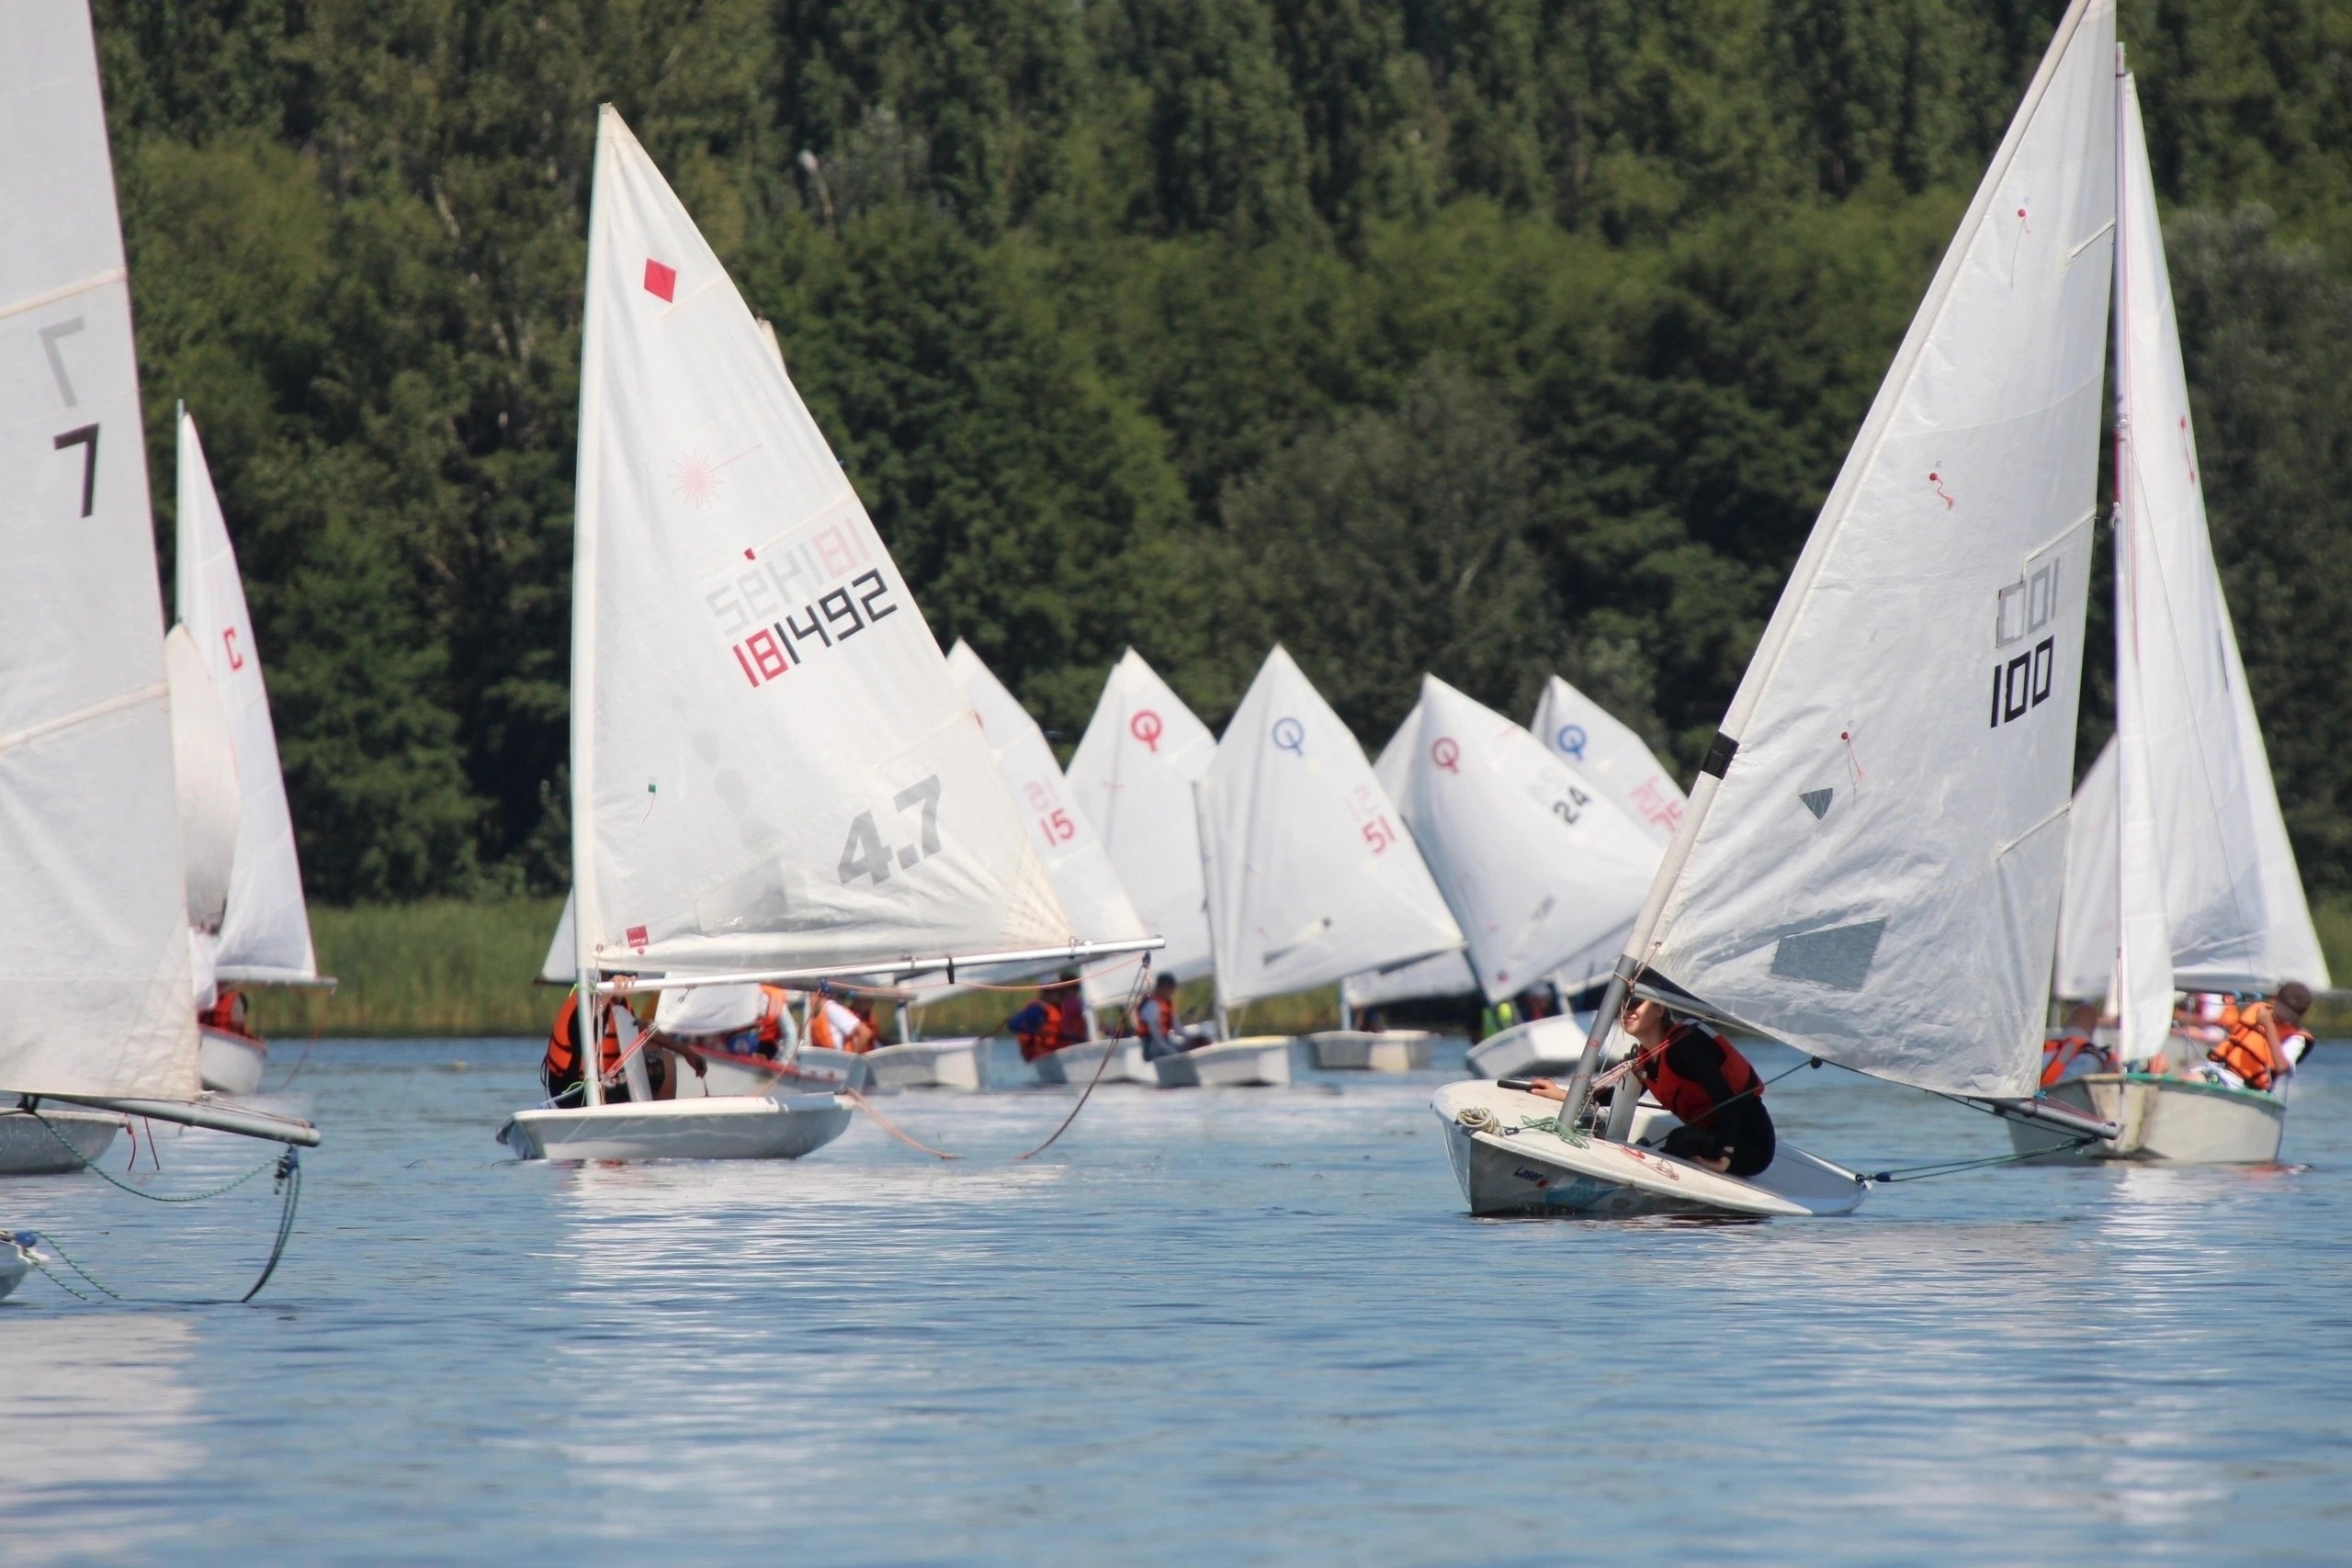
(451, 966)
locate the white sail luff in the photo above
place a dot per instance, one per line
(94, 920)
(265, 928)
(1837, 888)
(1133, 776)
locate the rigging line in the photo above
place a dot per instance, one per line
(88, 1163)
(290, 1184)
(1953, 1168)
(1135, 998)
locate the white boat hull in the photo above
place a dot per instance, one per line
(1542, 1047)
(1260, 1061)
(2175, 1121)
(27, 1148)
(14, 1266)
(928, 1064)
(1506, 1168)
(1355, 1050)
(1075, 1064)
(229, 1063)
(728, 1127)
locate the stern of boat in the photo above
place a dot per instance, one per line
(723, 1127)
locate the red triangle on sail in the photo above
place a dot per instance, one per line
(660, 281)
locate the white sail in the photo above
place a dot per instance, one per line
(771, 765)
(265, 933)
(2228, 894)
(1312, 874)
(1439, 975)
(1606, 754)
(561, 966)
(2087, 909)
(1537, 864)
(1870, 865)
(1082, 875)
(94, 920)
(1133, 776)
(204, 774)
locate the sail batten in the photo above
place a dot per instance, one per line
(1870, 866)
(773, 769)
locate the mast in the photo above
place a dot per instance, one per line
(2120, 986)
(588, 1035)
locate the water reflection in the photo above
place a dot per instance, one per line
(98, 1424)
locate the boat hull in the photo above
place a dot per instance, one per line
(27, 1148)
(727, 1127)
(2168, 1121)
(1355, 1050)
(1075, 1064)
(1259, 1062)
(928, 1064)
(1542, 1047)
(228, 1061)
(14, 1266)
(1505, 1167)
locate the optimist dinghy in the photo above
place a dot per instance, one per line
(731, 599)
(1828, 886)
(1310, 872)
(95, 917)
(2180, 818)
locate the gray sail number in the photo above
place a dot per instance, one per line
(866, 854)
(85, 436)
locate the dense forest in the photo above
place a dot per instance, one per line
(1487, 337)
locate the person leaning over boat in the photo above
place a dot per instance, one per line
(1056, 1016)
(2075, 1053)
(2266, 1043)
(1702, 1079)
(833, 1025)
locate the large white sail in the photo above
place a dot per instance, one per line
(264, 932)
(772, 767)
(1871, 863)
(1312, 873)
(1133, 776)
(2188, 741)
(204, 778)
(1537, 864)
(1605, 753)
(94, 920)
(2087, 909)
(1082, 875)
(561, 966)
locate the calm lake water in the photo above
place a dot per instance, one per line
(1236, 1326)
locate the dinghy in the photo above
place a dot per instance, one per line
(1372, 1050)
(731, 601)
(263, 933)
(2206, 895)
(95, 921)
(1543, 871)
(1080, 1065)
(1311, 873)
(1132, 776)
(1828, 885)
(1439, 975)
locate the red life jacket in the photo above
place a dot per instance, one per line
(1046, 1038)
(773, 1001)
(562, 1060)
(2059, 1054)
(2247, 1052)
(1692, 1104)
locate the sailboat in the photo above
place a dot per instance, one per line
(1311, 873)
(1540, 869)
(1083, 876)
(262, 935)
(1869, 863)
(2206, 895)
(95, 921)
(774, 778)
(1132, 775)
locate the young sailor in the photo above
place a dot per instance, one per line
(560, 1067)
(2266, 1043)
(2075, 1052)
(1705, 1082)
(1157, 1023)
(1056, 1017)
(835, 1026)
(227, 1012)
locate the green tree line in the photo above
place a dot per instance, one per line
(1487, 337)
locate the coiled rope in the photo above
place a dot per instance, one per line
(288, 1185)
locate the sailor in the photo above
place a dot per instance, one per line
(2075, 1053)
(1156, 1020)
(2266, 1042)
(1495, 1018)
(833, 1026)
(1705, 1082)
(227, 1012)
(1046, 1025)
(560, 1069)
(767, 1035)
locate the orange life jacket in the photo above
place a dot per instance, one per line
(774, 1000)
(2247, 1052)
(227, 1012)
(562, 1060)
(1692, 1104)
(2059, 1054)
